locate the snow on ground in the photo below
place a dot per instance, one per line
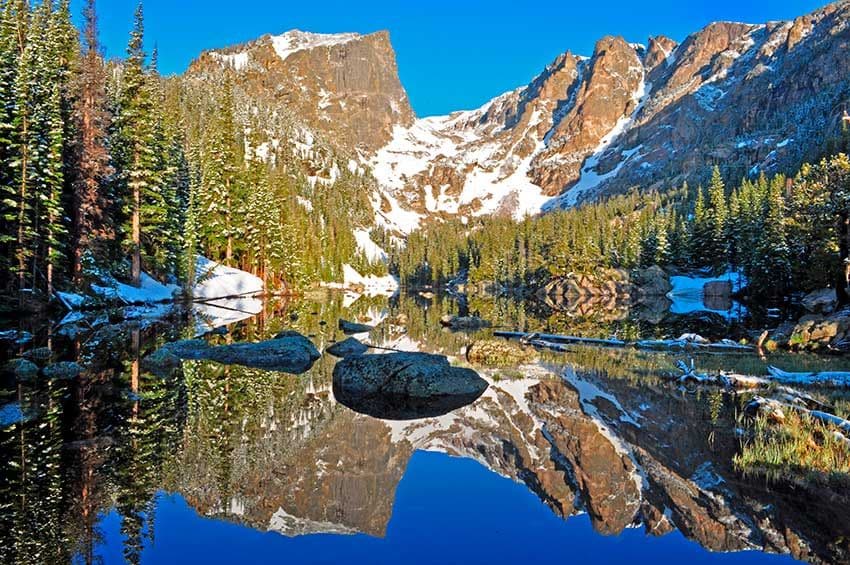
(297, 40)
(149, 291)
(228, 295)
(369, 248)
(370, 285)
(214, 280)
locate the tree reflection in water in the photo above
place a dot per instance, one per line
(274, 451)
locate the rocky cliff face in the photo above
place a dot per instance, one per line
(751, 98)
(344, 87)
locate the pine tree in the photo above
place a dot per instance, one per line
(135, 150)
(9, 56)
(718, 250)
(90, 158)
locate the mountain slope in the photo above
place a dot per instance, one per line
(751, 98)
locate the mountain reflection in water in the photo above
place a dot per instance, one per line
(228, 463)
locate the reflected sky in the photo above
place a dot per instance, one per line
(447, 510)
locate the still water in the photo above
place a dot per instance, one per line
(583, 456)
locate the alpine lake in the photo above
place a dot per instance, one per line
(584, 454)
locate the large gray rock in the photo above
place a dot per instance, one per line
(289, 352)
(500, 353)
(651, 282)
(347, 348)
(409, 374)
(404, 385)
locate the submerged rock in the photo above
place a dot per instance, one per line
(22, 368)
(404, 383)
(38, 355)
(464, 322)
(347, 348)
(353, 327)
(499, 352)
(62, 370)
(289, 352)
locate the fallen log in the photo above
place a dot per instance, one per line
(775, 409)
(828, 379)
(687, 341)
(748, 383)
(682, 345)
(552, 338)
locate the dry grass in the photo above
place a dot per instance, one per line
(800, 450)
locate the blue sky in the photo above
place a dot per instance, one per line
(452, 55)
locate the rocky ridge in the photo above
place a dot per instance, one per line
(752, 98)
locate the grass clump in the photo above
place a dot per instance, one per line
(798, 450)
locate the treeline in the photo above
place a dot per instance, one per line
(784, 234)
(108, 167)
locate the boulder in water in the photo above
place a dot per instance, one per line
(347, 348)
(349, 328)
(409, 374)
(289, 352)
(404, 385)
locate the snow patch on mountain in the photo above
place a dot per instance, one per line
(493, 182)
(297, 40)
(590, 177)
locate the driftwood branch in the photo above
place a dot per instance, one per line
(686, 342)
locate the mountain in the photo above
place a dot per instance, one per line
(751, 98)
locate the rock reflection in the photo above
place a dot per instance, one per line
(403, 407)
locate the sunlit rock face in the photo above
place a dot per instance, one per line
(342, 86)
(752, 98)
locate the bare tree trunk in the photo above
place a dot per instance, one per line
(137, 230)
(843, 254)
(228, 260)
(135, 369)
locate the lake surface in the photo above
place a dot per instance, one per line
(586, 455)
